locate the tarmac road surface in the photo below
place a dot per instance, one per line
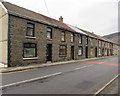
(85, 77)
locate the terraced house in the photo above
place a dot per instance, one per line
(31, 38)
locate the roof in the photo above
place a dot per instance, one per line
(25, 13)
(16, 10)
(77, 29)
(91, 34)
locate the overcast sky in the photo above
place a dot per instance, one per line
(98, 16)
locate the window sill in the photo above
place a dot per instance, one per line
(63, 41)
(62, 56)
(32, 58)
(49, 39)
(29, 37)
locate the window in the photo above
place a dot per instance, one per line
(105, 51)
(103, 44)
(80, 39)
(80, 51)
(30, 30)
(108, 45)
(86, 41)
(30, 50)
(99, 51)
(91, 41)
(72, 37)
(49, 33)
(63, 50)
(63, 36)
(92, 51)
(100, 43)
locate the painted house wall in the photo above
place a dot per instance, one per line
(3, 35)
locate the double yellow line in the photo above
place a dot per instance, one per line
(19, 71)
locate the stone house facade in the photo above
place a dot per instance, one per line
(32, 38)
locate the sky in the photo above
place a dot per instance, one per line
(98, 16)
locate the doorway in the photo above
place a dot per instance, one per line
(96, 52)
(72, 52)
(102, 51)
(49, 52)
(86, 50)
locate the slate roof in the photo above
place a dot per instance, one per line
(25, 13)
(77, 29)
(19, 11)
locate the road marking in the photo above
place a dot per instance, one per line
(32, 69)
(30, 80)
(90, 65)
(19, 71)
(83, 67)
(95, 94)
(80, 68)
(105, 63)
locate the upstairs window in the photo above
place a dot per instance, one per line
(91, 41)
(63, 36)
(80, 39)
(49, 33)
(100, 43)
(72, 37)
(29, 50)
(103, 44)
(86, 42)
(30, 30)
(108, 45)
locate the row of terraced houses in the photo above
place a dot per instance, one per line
(32, 38)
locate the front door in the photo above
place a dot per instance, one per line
(72, 52)
(102, 51)
(49, 52)
(86, 50)
(96, 52)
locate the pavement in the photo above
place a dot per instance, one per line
(4, 69)
(2, 65)
(113, 88)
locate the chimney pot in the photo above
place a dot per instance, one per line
(61, 19)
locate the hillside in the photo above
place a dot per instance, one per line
(115, 37)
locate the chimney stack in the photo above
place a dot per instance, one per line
(61, 19)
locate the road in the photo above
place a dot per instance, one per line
(85, 77)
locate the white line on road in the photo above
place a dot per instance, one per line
(106, 85)
(80, 68)
(83, 67)
(34, 79)
(30, 80)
